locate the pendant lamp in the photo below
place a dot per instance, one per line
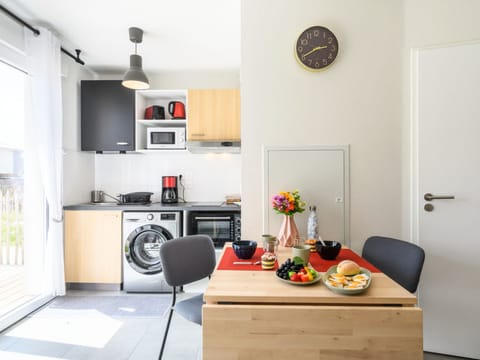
(135, 78)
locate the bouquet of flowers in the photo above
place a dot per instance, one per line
(288, 203)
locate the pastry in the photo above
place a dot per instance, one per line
(268, 261)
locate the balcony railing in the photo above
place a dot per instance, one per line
(11, 218)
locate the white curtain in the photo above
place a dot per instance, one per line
(45, 118)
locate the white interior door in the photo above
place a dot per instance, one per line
(447, 108)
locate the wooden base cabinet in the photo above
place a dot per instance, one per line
(93, 247)
(213, 114)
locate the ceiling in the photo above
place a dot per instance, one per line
(178, 34)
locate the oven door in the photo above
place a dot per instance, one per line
(216, 225)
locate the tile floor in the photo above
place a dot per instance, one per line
(51, 334)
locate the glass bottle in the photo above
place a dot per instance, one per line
(312, 223)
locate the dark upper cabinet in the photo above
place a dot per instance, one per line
(107, 116)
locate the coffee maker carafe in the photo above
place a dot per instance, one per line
(169, 189)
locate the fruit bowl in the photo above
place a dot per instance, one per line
(295, 272)
(314, 281)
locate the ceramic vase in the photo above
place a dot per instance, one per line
(288, 235)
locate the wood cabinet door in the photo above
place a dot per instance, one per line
(93, 247)
(213, 114)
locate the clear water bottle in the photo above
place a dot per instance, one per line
(312, 223)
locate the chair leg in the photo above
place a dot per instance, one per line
(174, 298)
(166, 333)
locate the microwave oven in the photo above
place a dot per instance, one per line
(166, 138)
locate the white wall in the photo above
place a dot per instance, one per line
(356, 101)
(363, 99)
(78, 166)
(208, 177)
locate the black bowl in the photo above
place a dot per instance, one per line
(244, 249)
(330, 250)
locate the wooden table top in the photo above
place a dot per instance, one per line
(260, 287)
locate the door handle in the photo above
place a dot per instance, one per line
(430, 197)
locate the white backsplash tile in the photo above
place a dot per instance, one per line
(208, 177)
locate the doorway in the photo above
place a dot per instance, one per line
(21, 207)
(446, 164)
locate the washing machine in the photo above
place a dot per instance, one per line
(143, 235)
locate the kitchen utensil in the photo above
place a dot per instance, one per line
(302, 251)
(136, 197)
(314, 281)
(246, 262)
(328, 250)
(97, 196)
(346, 291)
(176, 109)
(244, 249)
(270, 243)
(155, 112)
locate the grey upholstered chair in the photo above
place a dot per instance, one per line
(400, 260)
(185, 260)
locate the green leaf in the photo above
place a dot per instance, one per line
(297, 260)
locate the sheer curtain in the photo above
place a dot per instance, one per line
(45, 120)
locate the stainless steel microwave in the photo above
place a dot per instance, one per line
(166, 138)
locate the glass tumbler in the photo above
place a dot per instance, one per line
(270, 243)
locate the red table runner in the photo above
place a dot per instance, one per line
(322, 265)
(229, 257)
(319, 264)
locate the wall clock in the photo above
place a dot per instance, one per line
(316, 48)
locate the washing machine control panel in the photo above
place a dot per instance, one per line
(150, 217)
(167, 216)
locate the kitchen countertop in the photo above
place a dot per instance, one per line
(156, 206)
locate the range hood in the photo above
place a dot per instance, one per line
(203, 147)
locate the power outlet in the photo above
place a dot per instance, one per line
(187, 180)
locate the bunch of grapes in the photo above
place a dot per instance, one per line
(286, 267)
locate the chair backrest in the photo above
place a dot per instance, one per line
(187, 259)
(400, 260)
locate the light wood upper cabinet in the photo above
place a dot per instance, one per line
(93, 247)
(213, 114)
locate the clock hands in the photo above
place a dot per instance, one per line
(313, 50)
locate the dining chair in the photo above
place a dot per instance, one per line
(400, 260)
(185, 260)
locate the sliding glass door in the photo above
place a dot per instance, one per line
(22, 206)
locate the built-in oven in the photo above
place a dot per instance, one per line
(221, 226)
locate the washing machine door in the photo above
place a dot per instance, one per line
(142, 248)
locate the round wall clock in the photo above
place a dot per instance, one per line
(316, 48)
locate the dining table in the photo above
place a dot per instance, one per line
(250, 313)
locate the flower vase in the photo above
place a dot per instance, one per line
(288, 235)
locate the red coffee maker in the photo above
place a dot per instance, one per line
(169, 189)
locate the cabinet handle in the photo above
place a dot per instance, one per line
(122, 143)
